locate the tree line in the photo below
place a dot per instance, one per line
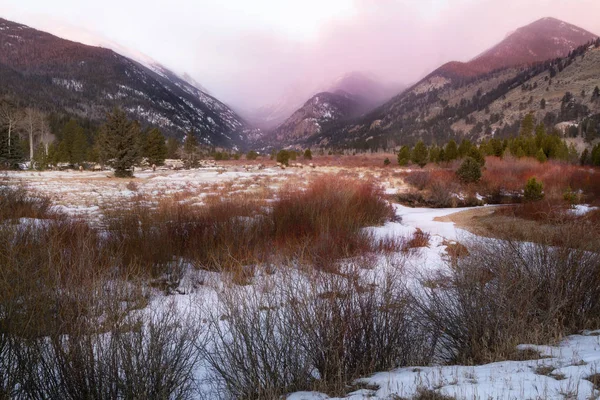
(48, 140)
(534, 140)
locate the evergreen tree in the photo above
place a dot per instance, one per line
(73, 145)
(527, 125)
(469, 171)
(79, 148)
(40, 157)
(307, 154)
(451, 151)
(252, 155)
(435, 154)
(15, 154)
(118, 143)
(585, 155)
(543, 104)
(464, 148)
(172, 148)
(541, 156)
(404, 156)
(475, 154)
(190, 150)
(155, 148)
(283, 157)
(595, 156)
(534, 190)
(420, 154)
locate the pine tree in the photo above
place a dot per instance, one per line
(475, 154)
(80, 149)
(40, 158)
(469, 171)
(118, 143)
(420, 154)
(307, 154)
(464, 148)
(527, 125)
(172, 148)
(404, 156)
(155, 148)
(585, 157)
(541, 156)
(190, 150)
(451, 151)
(534, 190)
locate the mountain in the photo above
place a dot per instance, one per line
(364, 88)
(541, 40)
(470, 99)
(319, 112)
(348, 97)
(58, 75)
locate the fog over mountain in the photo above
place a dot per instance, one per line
(250, 53)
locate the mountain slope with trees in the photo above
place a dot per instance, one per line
(55, 75)
(444, 106)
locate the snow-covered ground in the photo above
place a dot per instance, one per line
(561, 375)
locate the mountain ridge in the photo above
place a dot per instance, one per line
(55, 74)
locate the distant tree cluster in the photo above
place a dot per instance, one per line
(50, 140)
(533, 141)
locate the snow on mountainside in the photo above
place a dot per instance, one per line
(321, 110)
(347, 97)
(365, 88)
(55, 74)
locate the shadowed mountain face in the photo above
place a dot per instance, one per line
(44, 71)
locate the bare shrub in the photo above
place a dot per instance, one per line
(315, 332)
(418, 179)
(505, 293)
(316, 226)
(418, 239)
(253, 351)
(354, 326)
(148, 356)
(323, 223)
(16, 203)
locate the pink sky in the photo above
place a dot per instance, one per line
(248, 53)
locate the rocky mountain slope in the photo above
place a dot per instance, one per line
(320, 112)
(363, 88)
(348, 97)
(53, 74)
(499, 87)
